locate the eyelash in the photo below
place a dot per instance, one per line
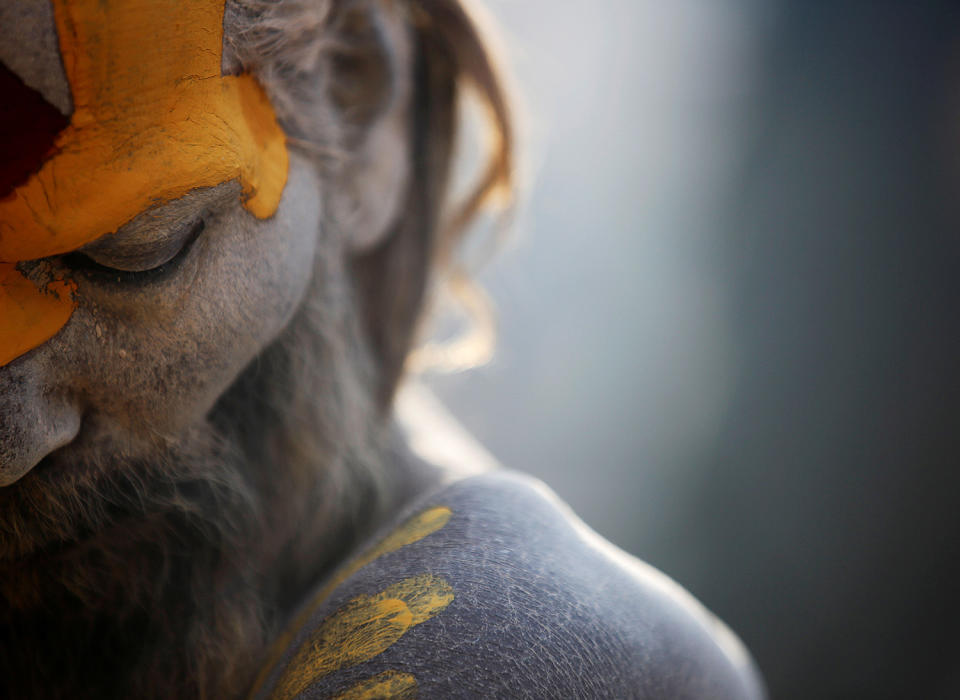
(84, 263)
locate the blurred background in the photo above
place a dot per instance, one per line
(728, 330)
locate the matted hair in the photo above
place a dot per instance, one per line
(311, 55)
(308, 414)
(315, 400)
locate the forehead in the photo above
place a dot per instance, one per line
(153, 117)
(111, 108)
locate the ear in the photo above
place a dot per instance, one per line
(371, 88)
(449, 53)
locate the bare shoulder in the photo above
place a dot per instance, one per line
(491, 587)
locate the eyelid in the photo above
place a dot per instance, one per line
(128, 253)
(156, 236)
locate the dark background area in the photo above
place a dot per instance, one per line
(729, 332)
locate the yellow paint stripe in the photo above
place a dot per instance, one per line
(30, 315)
(389, 684)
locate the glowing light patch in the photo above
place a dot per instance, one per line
(153, 119)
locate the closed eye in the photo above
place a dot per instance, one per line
(134, 262)
(156, 240)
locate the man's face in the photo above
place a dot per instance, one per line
(154, 233)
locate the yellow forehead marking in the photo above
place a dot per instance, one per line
(153, 119)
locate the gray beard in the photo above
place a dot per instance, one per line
(132, 579)
(167, 577)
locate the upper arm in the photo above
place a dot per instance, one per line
(504, 597)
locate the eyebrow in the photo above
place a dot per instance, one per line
(151, 225)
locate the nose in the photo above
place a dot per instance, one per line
(33, 423)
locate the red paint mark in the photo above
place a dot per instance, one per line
(28, 128)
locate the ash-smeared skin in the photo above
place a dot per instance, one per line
(28, 46)
(142, 359)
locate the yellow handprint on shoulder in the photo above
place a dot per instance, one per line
(364, 626)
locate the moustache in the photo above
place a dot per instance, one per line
(103, 527)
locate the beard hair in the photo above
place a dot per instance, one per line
(167, 577)
(131, 577)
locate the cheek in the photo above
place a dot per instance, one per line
(156, 359)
